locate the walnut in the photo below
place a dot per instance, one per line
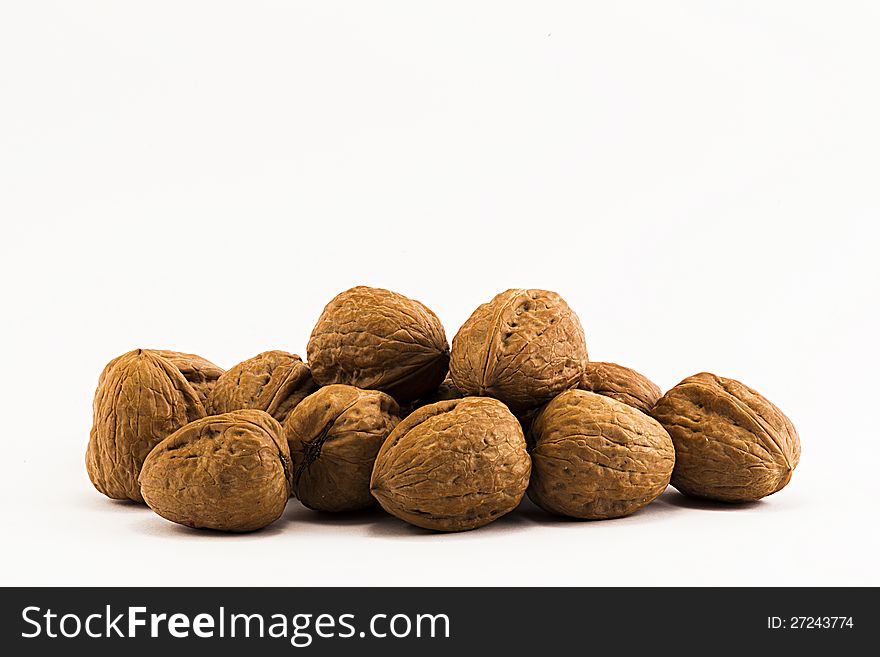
(202, 374)
(731, 444)
(273, 381)
(379, 340)
(452, 466)
(229, 472)
(142, 398)
(334, 436)
(594, 457)
(620, 383)
(523, 347)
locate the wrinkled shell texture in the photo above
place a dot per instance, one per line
(595, 458)
(379, 340)
(273, 381)
(523, 347)
(142, 398)
(202, 374)
(621, 383)
(452, 466)
(229, 472)
(731, 444)
(334, 436)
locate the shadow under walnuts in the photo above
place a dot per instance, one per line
(127, 504)
(160, 528)
(380, 524)
(297, 513)
(535, 515)
(527, 513)
(391, 527)
(670, 501)
(676, 499)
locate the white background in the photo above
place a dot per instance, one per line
(698, 180)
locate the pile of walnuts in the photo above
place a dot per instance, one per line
(449, 440)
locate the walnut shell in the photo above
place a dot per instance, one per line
(731, 444)
(453, 465)
(523, 347)
(273, 381)
(379, 340)
(229, 472)
(595, 457)
(202, 374)
(334, 436)
(620, 383)
(142, 398)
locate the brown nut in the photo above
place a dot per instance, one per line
(334, 436)
(523, 347)
(379, 340)
(142, 398)
(594, 457)
(229, 472)
(273, 381)
(453, 465)
(731, 444)
(620, 383)
(202, 374)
